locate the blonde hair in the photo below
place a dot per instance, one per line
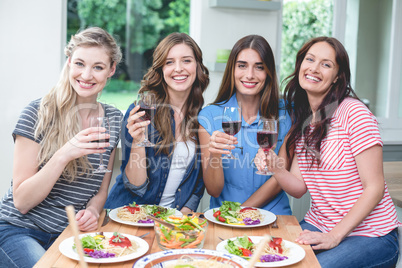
(58, 118)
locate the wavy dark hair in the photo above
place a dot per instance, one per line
(153, 82)
(298, 105)
(270, 93)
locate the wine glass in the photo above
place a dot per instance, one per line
(267, 137)
(101, 122)
(147, 103)
(231, 124)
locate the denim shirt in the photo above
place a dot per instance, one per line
(240, 178)
(189, 192)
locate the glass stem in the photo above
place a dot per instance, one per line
(146, 134)
(266, 166)
(101, 160)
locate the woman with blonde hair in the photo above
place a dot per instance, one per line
(56, 152)
(168, 174)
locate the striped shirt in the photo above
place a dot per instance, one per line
(50, 215)
(334, 183)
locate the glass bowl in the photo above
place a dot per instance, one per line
(189, 232)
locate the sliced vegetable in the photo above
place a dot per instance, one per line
(91, 242)
(87, 250)
(243, 246)
(246, 252)
(230, 212)
(217, 213)
(189, 232)
(159, 211)
(272, 258)
(97, 254)
(249, 221)
(222, 219)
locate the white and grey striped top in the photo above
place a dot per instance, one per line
(50, 215)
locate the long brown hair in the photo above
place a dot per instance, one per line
(153, 82)
(270, 93)
(298, 105)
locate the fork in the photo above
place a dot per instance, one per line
(144, 235)
(274, 224)
(107, 218)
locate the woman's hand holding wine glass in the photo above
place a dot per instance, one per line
(83, 144)
(140, 117)
(135, 125)
(231, 124)
(220, 142)
(267, 137)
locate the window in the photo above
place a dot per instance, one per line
(368, 30)
(373, 43)
(138, 25)
(302, 20)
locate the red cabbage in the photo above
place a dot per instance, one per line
(97, 254)
(272, 258)
(146, 221)
(249, 221)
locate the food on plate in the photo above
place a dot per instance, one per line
(100, 246)
(232, 213)
(244, 247)
(188, 261)
(188, 232)
(138, 213)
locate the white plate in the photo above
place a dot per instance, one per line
(296, 252)
(164, 258)
(269, 218)
(113, 216)
(66, 248)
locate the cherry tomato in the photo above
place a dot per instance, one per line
(246, 252)
(220, 218)
(217, 213)
(156, 213)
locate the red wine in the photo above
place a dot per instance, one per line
(101, 141)
(267, 139)
(149, 112)
(231, 127)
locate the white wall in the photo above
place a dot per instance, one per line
(220, 28)
(32, 38)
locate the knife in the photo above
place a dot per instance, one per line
(107, 218)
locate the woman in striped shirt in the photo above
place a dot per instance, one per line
(335, 151)
(56, 152)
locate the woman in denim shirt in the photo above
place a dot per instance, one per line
(168, 174)
(249, 81)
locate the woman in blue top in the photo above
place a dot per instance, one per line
(249, 81)
(168, 174)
